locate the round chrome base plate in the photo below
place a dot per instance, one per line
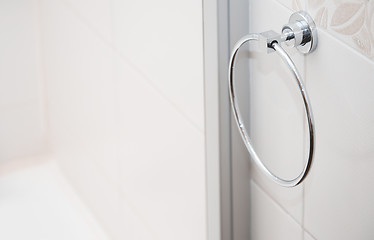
(311, 33)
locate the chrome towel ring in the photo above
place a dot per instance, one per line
(301, 33)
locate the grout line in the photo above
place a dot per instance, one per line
(305, 133)
(21, 163)
(119, 185)
(303, 209)
(275, 201)
(108, 179)
(310, 234)
(286, 8)
(301, 225)
(123, 197)
(346, 45)
(43, 99)
(77, 202)
(161, 93)
(305, 143)
(127, 61)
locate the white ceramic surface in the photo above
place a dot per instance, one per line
(126, 126)
(269, 221)
(339, 193)
(162, 159)
(96, 14)
(80, 89)
(163, 40)
(37, 203)
(307, 236)
(21, 84)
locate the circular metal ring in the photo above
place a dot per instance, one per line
(243, 131)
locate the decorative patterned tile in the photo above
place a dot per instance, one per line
(352, 21)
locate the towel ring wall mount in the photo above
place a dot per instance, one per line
(300, 32)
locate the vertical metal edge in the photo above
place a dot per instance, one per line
(225, 120)
(239, 26)
(217, 120)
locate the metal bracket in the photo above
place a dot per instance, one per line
(300, 32)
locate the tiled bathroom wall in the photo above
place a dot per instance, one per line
(335, 201)
(351, 21)
(124, 83)
(21, 87)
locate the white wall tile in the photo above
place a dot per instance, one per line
(162, 159)
(339, 192)
(19, 46)
(96, 14)
(347, 20)
(276, 111)
(99, 192)
(80, 87)
(134, 152)
(22, 119)
(81, 105)
(22, 130)
(268, 220)
(39, 201)
(163, 39)
(135, 225)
